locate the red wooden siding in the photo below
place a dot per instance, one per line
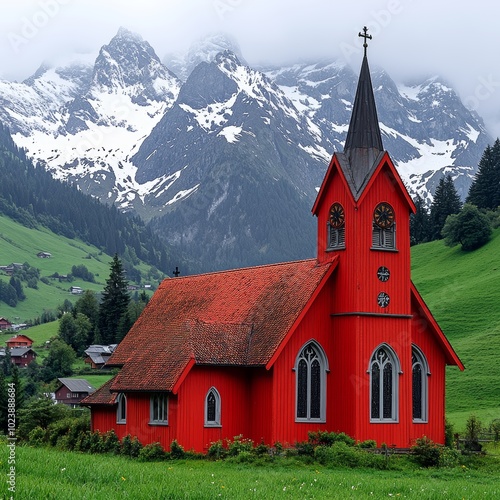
(237, 405)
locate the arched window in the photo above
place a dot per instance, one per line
(212, 408)
(121, 411)
(420, 372)
(384, 369)
(336, 227)
(384, 227)
(310, 368)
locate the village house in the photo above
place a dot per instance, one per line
(97, 355)
(22, 356)
(72, 390)
(44, 255)
(19, 341)
(5, 324)
(342, 342)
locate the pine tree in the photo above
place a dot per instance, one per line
(446, 202)
(114, 303)
(419, 223)
(484, 191)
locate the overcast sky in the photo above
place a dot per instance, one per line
(411, 38)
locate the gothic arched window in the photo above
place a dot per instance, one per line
(212, 408)
(121, 411)
(420, 372)
(384, 369)
(310, 369)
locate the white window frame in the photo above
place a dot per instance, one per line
(323, 367)
(424, 373)
(161, 410)
(217, 421)
(121, 410)
(376, 358)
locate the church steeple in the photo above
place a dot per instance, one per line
(364, 141)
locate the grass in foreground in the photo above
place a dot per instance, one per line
(51, 474)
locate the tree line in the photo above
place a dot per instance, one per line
(470, 224)
(33, 197)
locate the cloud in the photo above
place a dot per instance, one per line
(410, 38)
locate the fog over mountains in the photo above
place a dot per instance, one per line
(224, 159)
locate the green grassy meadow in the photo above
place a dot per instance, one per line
(51, 474)
(21, 244)
(462, 290)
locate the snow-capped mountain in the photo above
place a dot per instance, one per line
(86, 132)
(226, 160)
(425, 127)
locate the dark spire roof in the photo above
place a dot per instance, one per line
(363, 144)
(364, 131)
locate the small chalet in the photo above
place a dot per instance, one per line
(97, 355)
(72, 390)
(19, 341)
(75, 290)
(342, 342)
(44, 255)
(5, 324)
(22, 356)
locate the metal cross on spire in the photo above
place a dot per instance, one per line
(365, 36)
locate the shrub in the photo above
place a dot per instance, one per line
(152, 452)
(176, 450)
(130, 447)
(239, 445)
(473, 428)
(426, 453)
(339, 454)
(216, 451)
(449, 457)
(368, 444)
(324, 438)
(38, 436)
(448, 434)
(304, 448)
(111, 443)
(262, 449)
(96, 442)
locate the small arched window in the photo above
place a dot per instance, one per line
(121, 411)
(336, 227)
(310, 368)
(212, 408)
(420, 373)
(384, 369)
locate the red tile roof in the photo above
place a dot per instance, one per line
(102, 396)
(236, 317)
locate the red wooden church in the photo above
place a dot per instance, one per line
(343, 342)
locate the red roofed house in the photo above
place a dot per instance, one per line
(343, 342)
(19, 341)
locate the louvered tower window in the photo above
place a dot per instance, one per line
(384, 227)
(336, 227)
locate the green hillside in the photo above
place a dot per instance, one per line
(462, 290)
(21, 244)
